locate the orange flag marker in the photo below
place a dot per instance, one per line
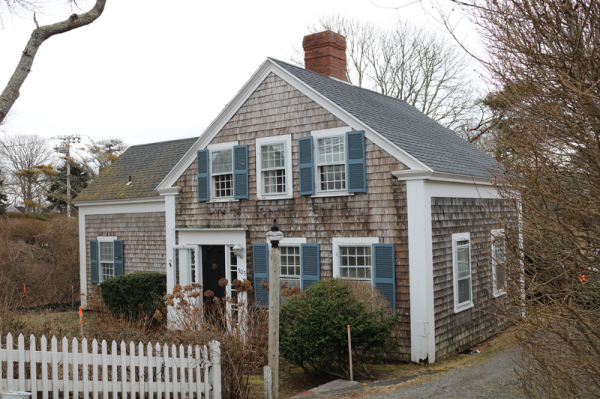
(80, 316)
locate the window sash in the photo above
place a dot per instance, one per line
(272, 183)
(106, 252)
(274, 156)
(290, 265)
(355, 262)
(221, 162)
(462, 270)
(499, 257)
(223, 186)
(107, 269)
(331, 150)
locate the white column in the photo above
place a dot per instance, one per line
(170, 194)
(420, 261)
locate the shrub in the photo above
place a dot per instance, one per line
(134, 294)
(313, 328)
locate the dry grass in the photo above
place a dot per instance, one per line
(39, 261)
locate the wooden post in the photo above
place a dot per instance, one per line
(268, 380)
(350, 354)
(274, 259)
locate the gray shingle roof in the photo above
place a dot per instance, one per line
(147, 164)
(431, 143)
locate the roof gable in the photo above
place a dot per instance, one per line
(434, 145)
(147, 164)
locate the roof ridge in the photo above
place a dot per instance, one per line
(349, 84)
(162, 142)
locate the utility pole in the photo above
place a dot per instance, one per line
(65, 148)
(274, 236)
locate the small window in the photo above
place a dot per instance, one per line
(290, 266)
(355, 263)
(461, 256)
(331, 163)
(222, 173)
(273, 167)
(498, 262)
(233, 271)
(107, 260)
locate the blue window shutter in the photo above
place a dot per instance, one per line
(385, 276)
(310, 264)
(240, 172)
(94, 261)
(260, 259)
(307, 175)
(203, 176)
(356, 169)
(118, 257)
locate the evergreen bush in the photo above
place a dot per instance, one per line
(313, 329)
(136, 294)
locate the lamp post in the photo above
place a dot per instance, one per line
(274, 236)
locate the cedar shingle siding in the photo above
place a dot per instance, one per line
(143, 236)
(276, 108)
(460, 331)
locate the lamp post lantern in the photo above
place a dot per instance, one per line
(274, 236)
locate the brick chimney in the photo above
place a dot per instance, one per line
(325, 53)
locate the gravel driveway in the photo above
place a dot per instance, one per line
(494, 378)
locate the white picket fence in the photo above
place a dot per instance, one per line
(151, 370)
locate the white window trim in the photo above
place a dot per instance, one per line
(466, 305)
(496, 234)
(218, 147)
(100, 270)
(337, 242)
(317, 134)
(287, 140)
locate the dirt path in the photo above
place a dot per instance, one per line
(492, 378)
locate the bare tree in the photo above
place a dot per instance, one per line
(100, 154)
(543, 61)
(25, 156)
(38, 37)
(410, 63)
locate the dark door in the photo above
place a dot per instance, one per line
(213, 269)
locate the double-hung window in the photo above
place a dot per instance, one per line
(274, 167)
(461, 259)
(498, 261)
(222, 173)
(364, 259)
(106, 258)
(290, 265)
(332, 162)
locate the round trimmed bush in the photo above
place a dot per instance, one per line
(134, 294)
(313, 328)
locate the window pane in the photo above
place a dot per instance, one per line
(107, 271)
(223, 186)
(464, 290)
(500, 277)
(292, 261)
(274, 181)
(106, 251)
(331, 150)
(333, 177)
(355, 263)
(273, 156)
(462, 262)
(222, 161)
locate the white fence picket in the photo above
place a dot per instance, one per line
(147, 370)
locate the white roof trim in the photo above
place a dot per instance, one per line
(119, 201)
(248, 89)
(406, 175)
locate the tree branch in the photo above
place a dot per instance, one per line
(38, 36)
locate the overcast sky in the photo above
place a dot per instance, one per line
(149, 71)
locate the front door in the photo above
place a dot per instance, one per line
(213, 269)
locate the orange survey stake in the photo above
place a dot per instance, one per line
(80, 315)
